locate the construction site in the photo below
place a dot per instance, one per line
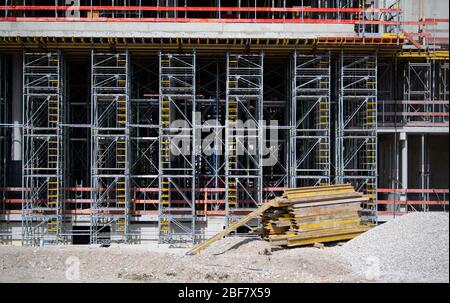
(130, 124)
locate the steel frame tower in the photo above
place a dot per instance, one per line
(443, 82)
(356, 140)
(276, 118)
(43, 148)
(417, 90)
(4, 119)
(243, 114)
(177, 103)
(144, 136)
(110, 201)
(443, 91)
(310, 120)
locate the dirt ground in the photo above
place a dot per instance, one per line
(229, 260)
(412, 248)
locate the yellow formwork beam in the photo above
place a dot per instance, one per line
(432, 55)
(324, 239)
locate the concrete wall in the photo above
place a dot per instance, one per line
(438, 9)
(437, 160)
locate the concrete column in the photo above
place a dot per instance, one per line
(15, 157)
(404, 159)
(16, 108)
(424, 169)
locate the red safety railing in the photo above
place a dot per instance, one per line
(78, 201)
(425, 113)
(296, 14)
(366, 20)
(413, 199)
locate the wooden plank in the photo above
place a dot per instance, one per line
(323, 239)
(281, 202)
(317, 188)
(316, 234)
(327, 191)
(331, 231)
(330, 203)
(329, 224)
(258, 212)
(312, 219)
(338, 209)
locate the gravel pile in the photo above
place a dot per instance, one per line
(411, 248)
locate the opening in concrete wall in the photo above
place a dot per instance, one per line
(81, 235)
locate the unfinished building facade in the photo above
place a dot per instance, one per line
(168, 121)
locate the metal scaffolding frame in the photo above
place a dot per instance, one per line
(177, 108)
(356, 139)
(77, 137)
(442, 94)
(310, 120)
(243, 114)
(110, 200)
(144, 132)
(4, 119)
(43, 162)
(210, 166)
(443, 82)
(135, 167)
(4, 130)
(276, 118)
(418, 87)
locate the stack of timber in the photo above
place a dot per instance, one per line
(309, 215)
(303, 216)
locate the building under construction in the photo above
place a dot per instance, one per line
(96, 97)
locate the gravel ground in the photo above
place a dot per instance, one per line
(230, 260)
(411, 248)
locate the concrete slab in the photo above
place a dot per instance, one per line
(414, 130)
(173, 30)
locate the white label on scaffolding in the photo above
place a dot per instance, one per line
(71, 12)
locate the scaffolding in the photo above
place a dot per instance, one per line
(4, 133)
(144, 140)
(110, 201)
(310, 120)
(141, 166)
(443, 82)
(418, 93)
(177, 148)
(356, 139)
(210, 167)
(276, 126)
(43, 160)
(243, 133)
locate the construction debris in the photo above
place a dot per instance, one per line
(305, 216)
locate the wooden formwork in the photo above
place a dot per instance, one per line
(304, 216)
